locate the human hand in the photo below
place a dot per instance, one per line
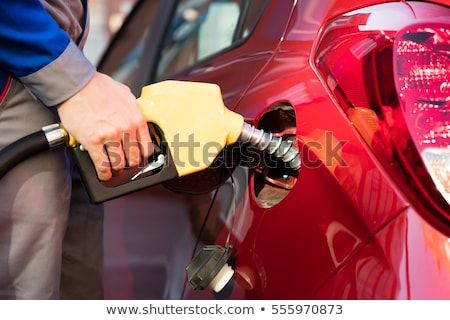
(105, 119)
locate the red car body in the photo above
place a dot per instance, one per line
(362, 219)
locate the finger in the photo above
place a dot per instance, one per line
(115, 156)
(131, 149)
(146, 145)
(101, 162)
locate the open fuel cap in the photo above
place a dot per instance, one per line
(210, 269)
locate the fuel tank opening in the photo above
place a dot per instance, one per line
(273, 179)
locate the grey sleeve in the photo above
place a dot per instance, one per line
(62, 78)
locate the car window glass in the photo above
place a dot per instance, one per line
(201, 28)
(124, 57)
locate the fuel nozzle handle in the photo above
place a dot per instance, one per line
(284, 150)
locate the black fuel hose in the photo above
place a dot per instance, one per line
(22, 149)
(32, 144)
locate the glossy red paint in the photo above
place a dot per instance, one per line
(408, 259)
(344, 231)
(351, 227)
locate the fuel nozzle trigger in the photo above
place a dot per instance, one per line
(154, 165)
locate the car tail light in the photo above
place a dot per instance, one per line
(393, 82)
(422, 79)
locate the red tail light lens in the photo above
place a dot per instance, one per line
(393, 82)
(422, 79)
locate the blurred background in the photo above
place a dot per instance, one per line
(106, 18)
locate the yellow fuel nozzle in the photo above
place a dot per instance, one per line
(194, 120)
(197, 125)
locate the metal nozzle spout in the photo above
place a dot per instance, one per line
(284, 150)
